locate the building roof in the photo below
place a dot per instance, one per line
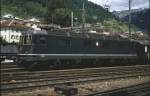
(13, 24)
(8, 16)
(33, 20)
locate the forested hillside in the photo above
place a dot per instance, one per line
(59, 11)
(40, 8)
(140, 19)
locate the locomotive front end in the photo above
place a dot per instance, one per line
(27, 46)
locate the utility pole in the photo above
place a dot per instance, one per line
(149, 19)
(129, 18)
(52, 19)
(107, 6)
(72, 19)
(83, 16)
(149, 4)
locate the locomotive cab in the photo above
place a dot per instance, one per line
(29, 42)
(31, 38)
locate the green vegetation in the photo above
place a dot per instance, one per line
(23, 8)
(45, 8)
(59, 11)
(118, 26)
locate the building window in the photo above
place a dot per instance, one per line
(17, 37)
(12, 36)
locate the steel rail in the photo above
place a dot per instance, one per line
(77, 76)
(58, 80)
(39, 76)
(85, 69)
(22, 80)
(48, 84)
(51, 74)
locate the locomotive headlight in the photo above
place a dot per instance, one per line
(146, 49)
(97, 44)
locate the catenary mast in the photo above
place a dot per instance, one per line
(83, 16)
(129, 18)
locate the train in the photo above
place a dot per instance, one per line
(57, 49)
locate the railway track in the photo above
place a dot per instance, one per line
(36, 79)
(6, 77)
(21, 72)
(135, 90)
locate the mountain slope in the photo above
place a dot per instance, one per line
(139, 17)
(124, 13)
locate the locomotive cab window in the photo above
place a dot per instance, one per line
(27, 39)
(21, 41)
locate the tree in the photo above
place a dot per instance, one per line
(62, 17)
(58, 13)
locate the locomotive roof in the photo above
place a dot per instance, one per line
(83, 34)
(78, 34)
(32, 32)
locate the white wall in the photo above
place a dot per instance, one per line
(10, 35)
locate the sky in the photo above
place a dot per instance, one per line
(119, 5)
